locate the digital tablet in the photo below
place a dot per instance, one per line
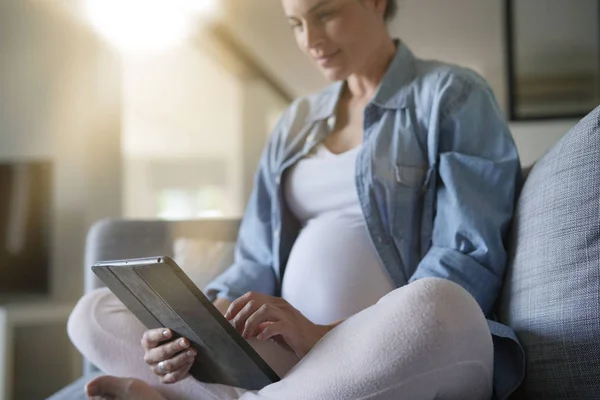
(161, 295)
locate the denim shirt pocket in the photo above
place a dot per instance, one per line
(413, 177)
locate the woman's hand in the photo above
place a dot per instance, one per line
(264, 317)
(170, 359)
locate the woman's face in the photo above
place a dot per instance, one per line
(338, 35)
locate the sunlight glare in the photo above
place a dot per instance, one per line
(137, 26)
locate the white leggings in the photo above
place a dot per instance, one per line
(425, 340)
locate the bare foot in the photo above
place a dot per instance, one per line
(112, 388)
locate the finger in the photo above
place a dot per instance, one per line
(179, 361)
(178, 375)
(278, 332)
(166, 351)
(239, 303)
(272, 329)
(265, 313)
(262, 326)
(251, 307)
(154, 337)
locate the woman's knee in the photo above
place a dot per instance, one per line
(80, 325)
(446, 313)
(435, 297)
(98, 318)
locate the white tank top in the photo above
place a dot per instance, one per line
(333, 270)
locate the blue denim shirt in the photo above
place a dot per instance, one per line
(437, 177)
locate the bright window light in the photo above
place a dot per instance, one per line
(139, 26)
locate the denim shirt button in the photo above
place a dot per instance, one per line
(278, 180)
(379, 239)
(276, 232)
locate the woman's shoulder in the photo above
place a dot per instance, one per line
(445, 87)
(439, 76)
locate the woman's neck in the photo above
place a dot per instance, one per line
(363, 84)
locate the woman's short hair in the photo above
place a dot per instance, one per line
(390, 10)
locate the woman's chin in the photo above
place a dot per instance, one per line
(334, 74)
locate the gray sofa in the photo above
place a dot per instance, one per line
(551, 296)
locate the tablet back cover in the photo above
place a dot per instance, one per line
(160, 295)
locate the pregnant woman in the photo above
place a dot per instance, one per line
(371, 251)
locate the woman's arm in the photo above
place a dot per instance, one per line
(478, 173)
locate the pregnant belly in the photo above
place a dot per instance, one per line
(333, 271)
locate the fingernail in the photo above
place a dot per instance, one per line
(183, 343)
(165, 333)
(191, 353)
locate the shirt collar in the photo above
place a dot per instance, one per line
(400, 72)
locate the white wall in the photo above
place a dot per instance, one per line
(534, 139)
(467, 32)
(179, 103)
(59, 100)
(180, 106)
(188, 107)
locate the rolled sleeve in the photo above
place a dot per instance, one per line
(478, 171)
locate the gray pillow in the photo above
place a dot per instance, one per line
(551, 296)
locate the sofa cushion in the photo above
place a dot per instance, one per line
(551, 296)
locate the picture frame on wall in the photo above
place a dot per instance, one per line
(553, 57)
